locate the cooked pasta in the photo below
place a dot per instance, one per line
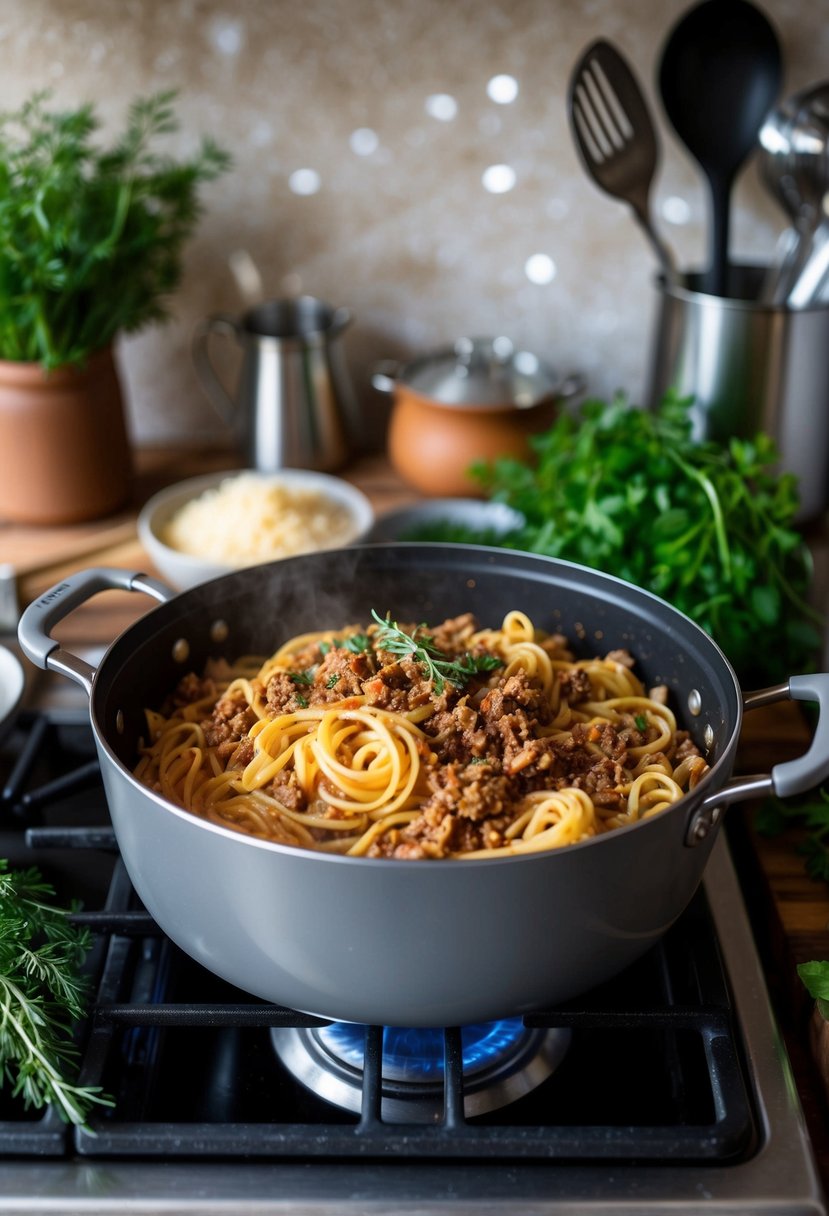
(410, 742)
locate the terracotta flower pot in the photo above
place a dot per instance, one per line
(64, 453)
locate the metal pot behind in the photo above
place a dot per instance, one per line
(475, 401)
(425, 943)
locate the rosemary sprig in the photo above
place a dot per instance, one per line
(42, 992)
(421, 647)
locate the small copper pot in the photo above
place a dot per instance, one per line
(476, 400)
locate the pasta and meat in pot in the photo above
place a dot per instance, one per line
(406, 741)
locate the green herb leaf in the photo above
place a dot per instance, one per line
(358, 643)
(765, 604)
(815, 976)
(91, 239)
(771, 817)
(302, 677)
(42, 992)
(816, 855)
(422, 649)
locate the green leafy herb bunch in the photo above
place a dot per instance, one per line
(42, 992)
(91, 238)
(708, 526)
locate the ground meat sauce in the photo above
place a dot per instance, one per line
(485, 752)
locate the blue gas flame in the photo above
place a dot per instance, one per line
(417, 1054)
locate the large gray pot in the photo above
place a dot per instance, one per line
(414, 943)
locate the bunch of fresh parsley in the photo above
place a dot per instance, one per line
(707, 526)
(91, 239)
(42, 991)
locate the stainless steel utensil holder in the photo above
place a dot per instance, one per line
(749, 367)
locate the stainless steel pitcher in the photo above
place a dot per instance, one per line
(749, 367)
(293, 404)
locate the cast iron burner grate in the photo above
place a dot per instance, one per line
(499, 1063)
(654, 1071)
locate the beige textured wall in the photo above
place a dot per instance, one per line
(401, 230)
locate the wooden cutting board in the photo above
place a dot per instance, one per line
(41, 556)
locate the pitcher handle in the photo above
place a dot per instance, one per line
(220, 399)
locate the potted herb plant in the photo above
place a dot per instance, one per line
(91, 241)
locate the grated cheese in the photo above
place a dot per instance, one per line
(248, 519)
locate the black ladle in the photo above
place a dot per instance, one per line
(719, 75)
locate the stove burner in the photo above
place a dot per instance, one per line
(417, 1055)
(502, 1061)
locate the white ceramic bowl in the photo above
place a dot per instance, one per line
(12, 687)
(183, 570)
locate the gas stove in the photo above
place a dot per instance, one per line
(667, 1088)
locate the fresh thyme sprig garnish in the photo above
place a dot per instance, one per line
(421, 647)
(41, 992)
(356, 643)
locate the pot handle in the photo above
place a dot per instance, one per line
(40, 617)
(786, 779)
(218, 395)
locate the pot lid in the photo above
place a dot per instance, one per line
(482, 372)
